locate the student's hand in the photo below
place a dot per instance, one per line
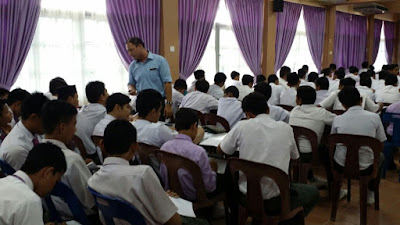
(214, 165)
(133, 117)
(168, 111)
(172, 194)
(87, 161)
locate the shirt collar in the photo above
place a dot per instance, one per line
(355, 108)
(150, 55)
(25, 130)
(109, 117)
(21, 174)
(115, 160)
(55, 142)
(263, 116)
(183, 137)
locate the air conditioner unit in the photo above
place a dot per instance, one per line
(370, 9)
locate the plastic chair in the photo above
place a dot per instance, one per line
(5, 168)
(286, 107)
(144, 151)
(79, 144)
(394, 140)
(112, 208)
(254, 205)
(213, 119)
(352, 170)
(338, 112)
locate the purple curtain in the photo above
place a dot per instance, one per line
(350, 40)
(314, 18)
(377, 39)
(196, 20)
(18, 21)
(389, 40)
(286, 26)
(248, 24)
(130, 18)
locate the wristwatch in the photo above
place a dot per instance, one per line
(169, 103)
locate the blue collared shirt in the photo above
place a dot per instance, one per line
(151, 74)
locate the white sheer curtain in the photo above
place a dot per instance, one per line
(381, 58)
(73, 41)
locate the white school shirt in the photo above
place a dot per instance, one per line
(50, 96)
(155, 134)
(388, 94)
(288, 97)
(244, 90)
(215, 91)
(367, 91)
(283, 83)
(19, 204)
(332, 101)
(192, 86)
(262, 140)
(231, 110)
(333, 85)
(137, 185)
(353, 76)
(76, 178)
(357, 121)
(321, 95)
(176, 100)
(235, 83)
(278, 113)
(377, 84)
(362, 71)
(276, 91)
(313, 118)
(88, 117)
(101, 126)
(199, 101)
(306, 83)
(16, 146)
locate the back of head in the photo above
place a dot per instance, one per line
(385, 68)
(16, 95)
(272, 78)
(353, 69)
(2, 105)
(202, 85)
(44, 155)
(312, 77)
(55, 83)
(326, 72)
(233, 90)
(372, 68)
(264, 89)
(284, 71)
(365, 79)
(307, 95)
(322, 83)
(119, 136)
(305, 67)
(219, 78)
(391, 79)
(347, 82)
(365, 65)
(148, 100)
(260, 78)
(340, 74)
(332, 67)
(199, 74)
(349, 96)
(247, 79)
(116, 99)
(234, 74)
(94, 90)
(4, 93)
(383, 74)
(301, 73)
(180, 84)
(33, 105)
(255, 103)
(66, 91)
(56, 112)
(185, 118)
(293, 79)
(136, 41)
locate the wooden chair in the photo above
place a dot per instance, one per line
(213, 119)
(338, 112)
(352, 170)
(79, 144)
(286, 107)
(254, 205)
(144, 151)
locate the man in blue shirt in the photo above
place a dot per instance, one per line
(149, 71)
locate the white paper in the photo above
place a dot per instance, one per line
(221, 165)
(185, 208)
(214, 140)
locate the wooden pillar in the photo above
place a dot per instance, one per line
(396, 57)
(169, 39)
(330, 22)
(370, 38)
(268, 56)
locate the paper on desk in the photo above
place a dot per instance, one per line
(214, 140)
(185, 208)
(221, 165)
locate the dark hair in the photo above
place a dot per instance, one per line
(94, 90)
(66, 91)
(16, 95)
(383, 74)
(391, 79)
(199, 74)
(292, 79)
(202, 85)
(332, 66)
(255, 103)
(365, 79)
(260, 78)
(340, 74)
(234, 74)
(119, 136)
(264, 89)
(116, 99)
(391, 67)
(55, 83)
(347, 82)
(44, 155)
(312, 77)
(247, 79)
(233, 90)
(148, 100)
(385, 67)
(365, 65)
(305, 67)
(180, 84)
(326, 72)
(219, 78)
(33, 105)
(284, 71)
(307, 94)
(301, 73)
(135, 41)
(349, 96)
(3, 103)
(272, 78)
(371, 67)
(4, 92)
(56, 112)
(322, 83)
(353, 69)
(185, 118)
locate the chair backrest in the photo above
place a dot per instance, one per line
(393, 118)
(353, 143)
(213, 119)
(286, 107)
(112, 208)
(144, 151)
(310, 135)
(79, 144)
(5, 168)
(338, 112)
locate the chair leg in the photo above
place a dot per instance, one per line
(336, 185)
(363, 201)
(376, 195)
(348, 190)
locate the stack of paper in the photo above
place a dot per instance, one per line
(185, 208)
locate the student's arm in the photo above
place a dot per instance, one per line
(328, 102)
(372, 106)
(212, 103)
(30, 213)
(328, 118)
(199, 136)
(175, 220)
(294, 152)
(231, 141)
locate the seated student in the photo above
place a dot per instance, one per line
(117, 106)
(26, 133)
(216, 90)
(283, 73)
(54, 84)
(90, 115)
(364, 66)
(179, 90)
(246, 87)
(199, 99)
(235, 76)
(305, 68)
(312, 77)
(380, 82)
(69, 94)
(353, 73)
(21, 192)
(182, 144)
(277, 113)
(302, 75)
(229, 107)
(326, 73)
(357, 121)
(14, 102)
(365, 86)
(288, 96)
(334, 83)
(4, 93)
(59, 120)
(277, 89)
(322, 84)
(5, 120)
(198, 75)
(333, 67)
(390, 93)
(260, 78)
(138, 185)
(263, 140)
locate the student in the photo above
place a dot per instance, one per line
(283, 73)
(390, 93)
(199, 99)
(353, 73)
(69, 94)
(14, 102)
(179, 90)
(198, 75)
(216, 90)
(26, 133)
(326, 73)
(337, 76)
(302, 75)
(332, 67)
(182, 144)
(229, 107)
(5, 120)
(138, 185)
(305, 68)
(260, 78)
(365, 86)
(4, 93)
(235, 76)
(380, 82)
(117, 106)
(364, 66)
(246, 87)
(277, 89)
(312, 77)
(288, 96)
(358, 122)
(263, 140)
(54, 84)
(322, 84)
(90, 115)
(21, 192)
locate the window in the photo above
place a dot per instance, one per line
(381, 58)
